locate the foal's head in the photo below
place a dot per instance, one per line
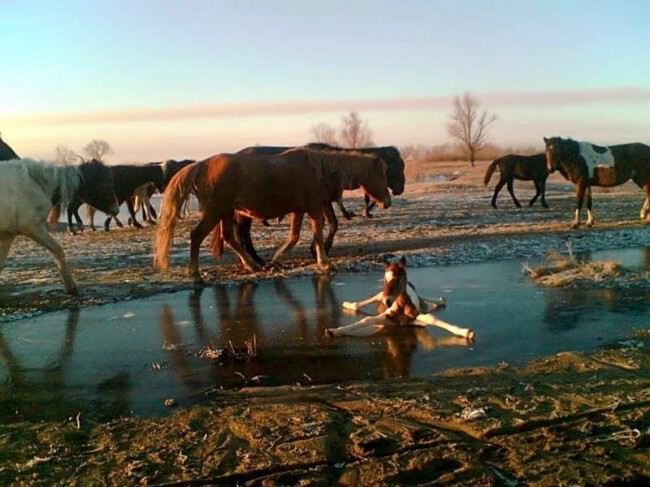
(395, 280)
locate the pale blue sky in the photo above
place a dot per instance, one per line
(85, 58)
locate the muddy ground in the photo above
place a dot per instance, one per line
(569, 419)
(442, 218)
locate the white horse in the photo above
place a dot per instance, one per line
(29, 189)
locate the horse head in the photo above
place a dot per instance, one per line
(97, 188)
(560, 151)
(395, 169)
(376, 183)
(395, 281)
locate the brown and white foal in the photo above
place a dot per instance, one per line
(398, 304)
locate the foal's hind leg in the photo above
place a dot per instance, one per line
(197, 235)
(5, 244)
(511, 190)
(41, 236)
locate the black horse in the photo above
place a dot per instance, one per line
(525, 168)
(586, 164)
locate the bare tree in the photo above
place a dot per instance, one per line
(98, 149)
(323, 132)
(468, 125)
(355, 132)
(65, 155)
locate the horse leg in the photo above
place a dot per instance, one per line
(645, 209)
(316, 221)
(369, 205)
(152, 212)
(333, 226)
(90, 213)
(538, 191)
(580, 196)
(497, 188)
(227, 227)
(511, 190)
(243, 225)
(590, 213)
(357, 305)
(107, 224)
(346, 213)
(295, 224)
(542, 186)
(129, 205)
(41, 236)
(197, 235)
(70, 225)
(367, 326)
(77, 217)
(5, 244)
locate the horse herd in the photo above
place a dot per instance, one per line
(261, 183)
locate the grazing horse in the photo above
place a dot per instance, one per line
(27, 189)
(398, 304)
(297, 182)
(524, 168)
(586, 165)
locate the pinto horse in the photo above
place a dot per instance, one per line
(298, 181)
(27, 189)
(586, 165)
(525, 168)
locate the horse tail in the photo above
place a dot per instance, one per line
(175, 195)
(490, 171)
(216, 245)
(54, 215)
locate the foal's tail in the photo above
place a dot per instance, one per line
(53, 216)
(490, 170)
(176, 193)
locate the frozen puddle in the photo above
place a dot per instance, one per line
(131, 356)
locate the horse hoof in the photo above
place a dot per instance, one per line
(470, 336)
(197, 280)
(328, 333)
(72, 290)
(589, 224)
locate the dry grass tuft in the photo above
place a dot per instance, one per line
(559, 270)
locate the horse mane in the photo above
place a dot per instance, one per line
(55, 179)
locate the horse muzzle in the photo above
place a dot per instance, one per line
(386, 203)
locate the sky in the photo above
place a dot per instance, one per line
(188, 79)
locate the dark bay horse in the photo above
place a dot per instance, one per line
(295, 182)
(390, 155)
(27, 191)
(586, 164)
(525, 168)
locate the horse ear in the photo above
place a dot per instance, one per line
(402, 262)
(546, 140)
(386, 265)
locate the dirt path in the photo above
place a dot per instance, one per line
(433, 222)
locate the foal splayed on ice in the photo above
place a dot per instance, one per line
(587, 165)
(29, 188)
(399, 304)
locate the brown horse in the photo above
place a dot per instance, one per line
(295, 182)
(586, 165)
(525, 168)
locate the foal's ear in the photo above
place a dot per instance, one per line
(402, 262)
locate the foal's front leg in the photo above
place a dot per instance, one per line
(357, 305)
(367, 326)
